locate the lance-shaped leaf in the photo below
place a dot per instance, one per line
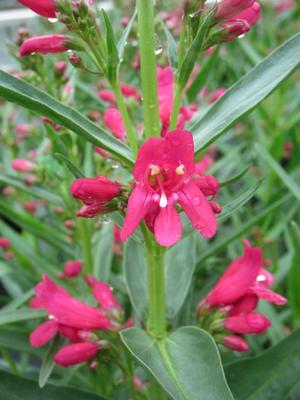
(27, 96)
(124, 37)
(249, 91)
(13, 387)
(186, 363)
(112, 51)
(269, 376)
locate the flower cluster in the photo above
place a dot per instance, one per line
(235, 297)
(78, 322)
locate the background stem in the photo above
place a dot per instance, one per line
(148, 67)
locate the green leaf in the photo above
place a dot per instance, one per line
(27, 96)
(202, 77)
(186, 363)
(13, 387)
(35, 191)
(179, 268)
(294, 274)
(135, 271)
(123, 39)
(103, 253)
(172, 47)
(15, 339)
(48, 364)
(193, 52)
(249, 91)
(12, 316)
(269, 376)
(50, 235)
(71, 167)
(112, 51)
(287, 180)
(236, 177)
(240, 200)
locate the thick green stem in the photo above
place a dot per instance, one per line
(86, 236)
(126, 119)
(148, 67)
(156, 287)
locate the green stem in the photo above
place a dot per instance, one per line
(148, 67)
(176, 108)
(86, 236)
(126, 119)
(156, 287)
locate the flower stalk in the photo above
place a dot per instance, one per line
(148, 67)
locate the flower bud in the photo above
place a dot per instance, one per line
(77, 353)
(249, 323)
(72, 268)
(22, 165)
(45, 8)
(235, 343)
(229, 8)
(4, 243)
(44, 45)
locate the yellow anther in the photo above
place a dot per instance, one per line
(155, 170)
(180, 170)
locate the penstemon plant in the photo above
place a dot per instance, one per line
(116, 205)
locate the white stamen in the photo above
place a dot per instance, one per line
(163, 200)
(261, 278)
(155, 170)
(180, 170)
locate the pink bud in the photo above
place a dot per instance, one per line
(44, 45)
(22, 165)
(77, 353)
(250, 15)
(69, 224)
(130, 91)
(73, 268)
(60, 67)
(31, 180)
(208, 185)
(249, 323)
(235, 343)
(30, 206)
(9, 255)
(108, 96)
(216, 207)
(58, 210)
(4, 243)
(114, 122)
(45, 8)
(229, 8)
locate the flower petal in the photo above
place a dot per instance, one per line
(198, 210)
(43, 333)
(167, 227)
(139, 203)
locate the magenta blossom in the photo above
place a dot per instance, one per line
(164, 174)
(44, 45)
(95, 193)
(45, 8)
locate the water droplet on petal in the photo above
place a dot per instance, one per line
(52, 20)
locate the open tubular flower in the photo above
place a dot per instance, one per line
(45, 8)
(95, 193)
(164, 174)
(236, 295)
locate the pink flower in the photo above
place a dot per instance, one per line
(95, 193)
(104, 295)
(66, 310)
(76, 353)
(229, 8)
(113, 120)
(22, 165)
(164, 172)
(44, 45)
(4, 243)
(72, 268)
(165, 80)
(44, 8)
(235, 343)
